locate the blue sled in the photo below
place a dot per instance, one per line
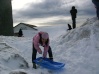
(49, 64)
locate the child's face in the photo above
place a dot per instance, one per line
(44, 40)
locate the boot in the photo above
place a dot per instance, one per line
(34, 66)
(51, 58)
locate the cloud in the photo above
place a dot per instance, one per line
(53, 8)
(41, 10)
(56, 22)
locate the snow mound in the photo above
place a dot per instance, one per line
(18, 71)
(77, 48)
(88, 31)
(80, 48)
(10, 58)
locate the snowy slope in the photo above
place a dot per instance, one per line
(10, 59)
(78, 49)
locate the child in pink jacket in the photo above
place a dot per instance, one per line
(42, 38)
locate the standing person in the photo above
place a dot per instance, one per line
(20, 33)
(73, 12)
(42, 38)
(96, 3)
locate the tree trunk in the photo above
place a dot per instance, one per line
(6, 19)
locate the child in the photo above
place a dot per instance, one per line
(42, 38)
(69, 27)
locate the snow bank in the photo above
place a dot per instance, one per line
(79, 48)
(10, 58)
(18, 71)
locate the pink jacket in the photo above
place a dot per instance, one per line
(37, 44)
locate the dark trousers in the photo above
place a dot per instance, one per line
(74, 23)
(34, 52)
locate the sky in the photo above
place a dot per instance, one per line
(78, 49)
(51, 12)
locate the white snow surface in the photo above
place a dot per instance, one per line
(77, 48)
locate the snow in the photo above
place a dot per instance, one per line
(78, 49)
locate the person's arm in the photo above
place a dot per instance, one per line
(76, 10)
(45, 51)
(36, 43)
(46, 48)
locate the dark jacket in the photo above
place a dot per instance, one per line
(73, 12)
(20, 33)
(96, 2)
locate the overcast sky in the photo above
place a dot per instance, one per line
(51, 12)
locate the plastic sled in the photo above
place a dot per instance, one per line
(49, 64)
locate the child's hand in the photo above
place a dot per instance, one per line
(40, 52)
